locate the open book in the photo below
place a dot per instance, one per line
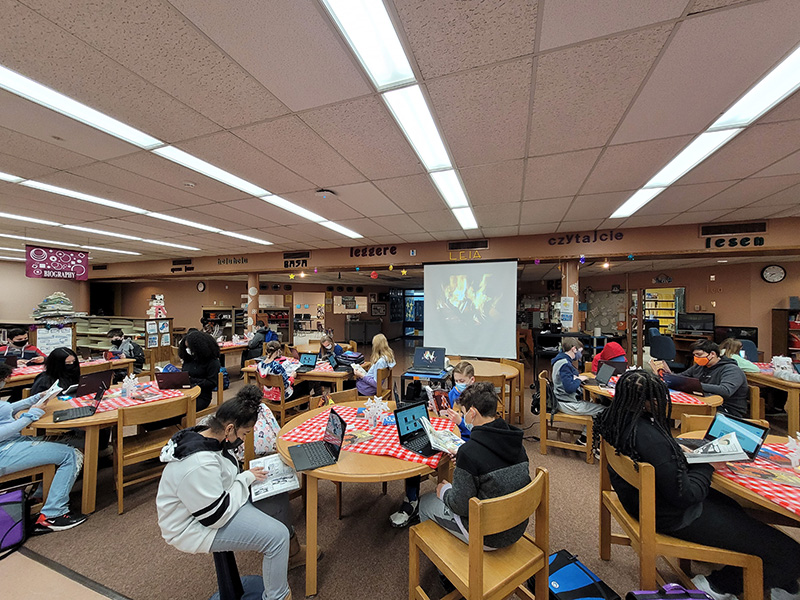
(41, 398)
(280, 477)
(722, 449)
(446, 441)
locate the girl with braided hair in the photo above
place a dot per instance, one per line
(637, 425)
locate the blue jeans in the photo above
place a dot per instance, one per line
(27, 452)
(251, 529)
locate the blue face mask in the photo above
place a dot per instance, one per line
(460, 387)
(468, 425)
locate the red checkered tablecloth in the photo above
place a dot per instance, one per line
(765, 368)
(677, 397)
(385, 442)
(115, 402)
(233, 345)
(783, 495)
(36, 369)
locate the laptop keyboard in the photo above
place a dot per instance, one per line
(318, 453)
(76, 413)
(417, 444)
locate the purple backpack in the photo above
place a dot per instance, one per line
(670, 591)
(13, 519)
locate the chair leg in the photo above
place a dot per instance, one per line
(753, 579)
(605, 532)
(647, 571)
(385, 487)
(413, 565)
(589, 439)
(49, 471)
(119, 481)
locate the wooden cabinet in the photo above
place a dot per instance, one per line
(279, 320)
(786, 332)
(230, 319)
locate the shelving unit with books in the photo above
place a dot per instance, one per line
(231, 319)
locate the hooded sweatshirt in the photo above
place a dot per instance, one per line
(725, 379)
(611, 351)
(200, 490)
(565, 378)
(490, 464)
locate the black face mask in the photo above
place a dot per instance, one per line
(116, 341)
(73, 368)
(20, 344)
(226, 445)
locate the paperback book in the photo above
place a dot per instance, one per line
(446, 441)
(723, 449)
(280, 477)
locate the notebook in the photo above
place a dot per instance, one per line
(308, 361)
(80, 412)
(92, 382)
(324, 452)
(428, 361)
(750, 436)
(688, 385)
(173, 381)
(410, 429)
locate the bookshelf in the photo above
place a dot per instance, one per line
(786, 332)
(231, 319)
(277, 319)
(660, 304)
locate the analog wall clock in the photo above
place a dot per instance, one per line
(201, 286)
(773, 273)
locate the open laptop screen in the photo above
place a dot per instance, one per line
(749, 435)
(307, 359)
(429, 357)
(408, 419)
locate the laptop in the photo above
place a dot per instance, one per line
(11, 361)
(604, 375)
(410, 429)
(688, 385)
(324, 452)
(82, 411)
(92, 382)
(619, 366)
(173, 381)
(308, 361)
(749, 435)
(339, 368)
(428, 361)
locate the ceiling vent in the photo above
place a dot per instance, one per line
(468, 245)
(181, 261)
(99, 267)
(296, 255)
(733, 229)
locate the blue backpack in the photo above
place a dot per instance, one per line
(570, 579)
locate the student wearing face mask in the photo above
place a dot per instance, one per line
(328, 347)
(18, 346)
(719, 375)
(567, 383)
(203, 499)
(200, 355)
(125, 347)
(62, 366)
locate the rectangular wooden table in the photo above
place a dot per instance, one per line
(334, 378)
(792, 389)
(23, 377)
(682, 404)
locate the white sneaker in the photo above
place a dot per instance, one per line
(701, 583)
(781, 594)
(408, 512)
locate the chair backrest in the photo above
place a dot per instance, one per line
(494, 515)
(381, 376)
(642, 476)
(750, 350)
(662, 347)
(275, 381)
(353, 346)
(150, 361)
(161, 410)
(520, 381)
(547, 401)
(454, 360)
(173, 356)
(652, 332)
(702, 422)
(344, 396)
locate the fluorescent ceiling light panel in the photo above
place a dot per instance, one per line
(46, 187)
(774, 87)
(28, 219)
(465, 218)
(340, 229)
(38, 240)
(696, 152)
(12, 249)
(36, 92)
(170, 244)
(366, 26)
(179, 221)
(246, 238)
(293, 208)
(101, 232)
(414, 117)
(200, 166)
(114, 250)
(637, 201)
(10, 178)
(450, 188)
(11, 258)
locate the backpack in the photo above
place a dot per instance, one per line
(570, 579)
(551, 403)
(138, 356)
(14, 519)
(270, 336)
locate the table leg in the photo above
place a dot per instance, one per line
(311, 535)
(335, 383)
(130, 368)
(247, 376)
(793, 410)
(90, 469)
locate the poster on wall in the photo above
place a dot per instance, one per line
(152, 341)
(165, 339)
(48, 340)
(152, 327)
(42, 262)
(163, 326)
(567, 313)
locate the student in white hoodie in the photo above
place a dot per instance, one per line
(204, 501)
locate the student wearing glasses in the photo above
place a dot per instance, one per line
(719, 375)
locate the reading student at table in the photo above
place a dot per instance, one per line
(731, 348)
(125, 347)
(382, 358)
(18, 346)
(567, 382)
(61, 365)
(637, 425)
(19, 452)
(203, 500)
(719, 375)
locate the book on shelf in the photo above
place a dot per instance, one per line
(446, 441)
(280, 477)
(723, 449)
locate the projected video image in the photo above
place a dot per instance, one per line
(468, 298)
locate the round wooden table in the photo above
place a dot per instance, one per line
(489, 368)
(351, 466)
(313, 348)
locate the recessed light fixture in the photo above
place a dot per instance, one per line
(449, 186)
(246, 238)
(366, 26)
(46, 187)
(102, 232)
(40, 94)
(28, 219)
(170, 244)
(293, 208)
(11, 258)
(606, 265)
(341, 229)
(465, 218)
(412, 114)
(179, 221)
(189, 184)
(10, 178)
(114, 250)
(635, 202)
(38, 240)
(722, 261)
(185, 159)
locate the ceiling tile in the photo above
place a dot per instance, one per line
(138, 34)
(286, 45)
(497, 183)
(262, 213)
(748, 191)
(558, 174)
(707, 66)
(498, 215)
(416, 238)
(544, 211)
(787, 166)
(366, 199)
(453, 35)
(54, 207)
(399, 224)
(788, 196)
(644, 221)
(581, 93)
(226, 151)
(753, 149)
(74, 68)
(753, 213)
(22, 168)
(680, 198)
(435, 220)
(365, 227)
(704, 5)
(788, 110)
(446, 236)
(295, 145)
(569, 21)
(363, 133)
(538, 228)
(413, 193)
(37, 151)
(698, 216)
(587, 225)
(493, 232)
(484, 113)
(332, 209)
(595, 206)
(630, 166)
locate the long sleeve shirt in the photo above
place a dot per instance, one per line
(9, 426)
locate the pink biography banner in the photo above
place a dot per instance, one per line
(56, 263)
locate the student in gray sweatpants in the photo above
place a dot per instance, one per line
(567, 382)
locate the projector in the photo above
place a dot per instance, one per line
(323, 193)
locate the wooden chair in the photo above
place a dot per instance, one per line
(499, 383)
(45, 473)
(757, 410)
(517, 392)
(545, 425)
(494, 575)
(701, 422)
(149, 364)
(642, 536)
(173, 356)
(138, 448)
(216, 400)
(454, 360)
(353, 346)
(381, 376)
(284, 406)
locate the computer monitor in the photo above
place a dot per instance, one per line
(723, 332)
(695, 323)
